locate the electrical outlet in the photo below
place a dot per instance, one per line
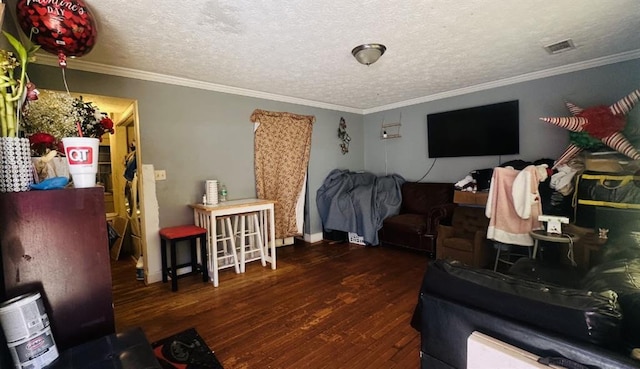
(161, 175)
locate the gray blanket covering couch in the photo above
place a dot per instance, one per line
(358, 202)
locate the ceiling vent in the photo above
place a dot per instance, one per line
(560, 47)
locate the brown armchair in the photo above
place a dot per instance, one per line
(465, 239)
(424, 206)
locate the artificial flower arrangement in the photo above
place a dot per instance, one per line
(55, 115)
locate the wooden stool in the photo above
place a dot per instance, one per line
(249, 243)
(175, 235)
(224, 254)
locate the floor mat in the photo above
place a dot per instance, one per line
(185, 350)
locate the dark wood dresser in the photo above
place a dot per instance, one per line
(55, 242)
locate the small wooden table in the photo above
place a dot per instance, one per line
(205, 217)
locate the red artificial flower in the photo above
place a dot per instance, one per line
(41, 138)
(107, 124)
(41, 143)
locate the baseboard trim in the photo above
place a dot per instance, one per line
(154, 277)
(313, 238)
(284, 241)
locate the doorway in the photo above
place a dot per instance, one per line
(122, 194)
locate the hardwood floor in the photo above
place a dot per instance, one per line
(325, 306)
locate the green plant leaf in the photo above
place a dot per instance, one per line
(17, 45)
(33, 49)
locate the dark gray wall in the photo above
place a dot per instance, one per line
(197, 135)
(544, 97)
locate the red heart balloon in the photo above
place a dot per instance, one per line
(59, 27)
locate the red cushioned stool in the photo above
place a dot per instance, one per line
(175, 235)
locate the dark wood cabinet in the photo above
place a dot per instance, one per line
(55, 242)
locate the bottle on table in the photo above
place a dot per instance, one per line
(223, 193)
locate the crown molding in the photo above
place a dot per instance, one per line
(76, 64)
(598, 62)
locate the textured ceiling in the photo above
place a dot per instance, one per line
(302, 49)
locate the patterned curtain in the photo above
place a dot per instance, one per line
(282, 146)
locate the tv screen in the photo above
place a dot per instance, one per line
(478, 131)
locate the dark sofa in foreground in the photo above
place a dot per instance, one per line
(596, 323)
(424, 206)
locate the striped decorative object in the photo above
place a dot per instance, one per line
(569, 153)
(573, 109)
(598, 123)
(571, 123)
(626, 103)
(620, 143)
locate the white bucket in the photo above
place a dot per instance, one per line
(26, 327)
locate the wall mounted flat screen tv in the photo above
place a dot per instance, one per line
(479, 131)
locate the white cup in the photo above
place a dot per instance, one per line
(82, 157)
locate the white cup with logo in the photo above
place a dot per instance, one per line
(82, 157)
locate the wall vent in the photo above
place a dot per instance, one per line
(561, 46)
